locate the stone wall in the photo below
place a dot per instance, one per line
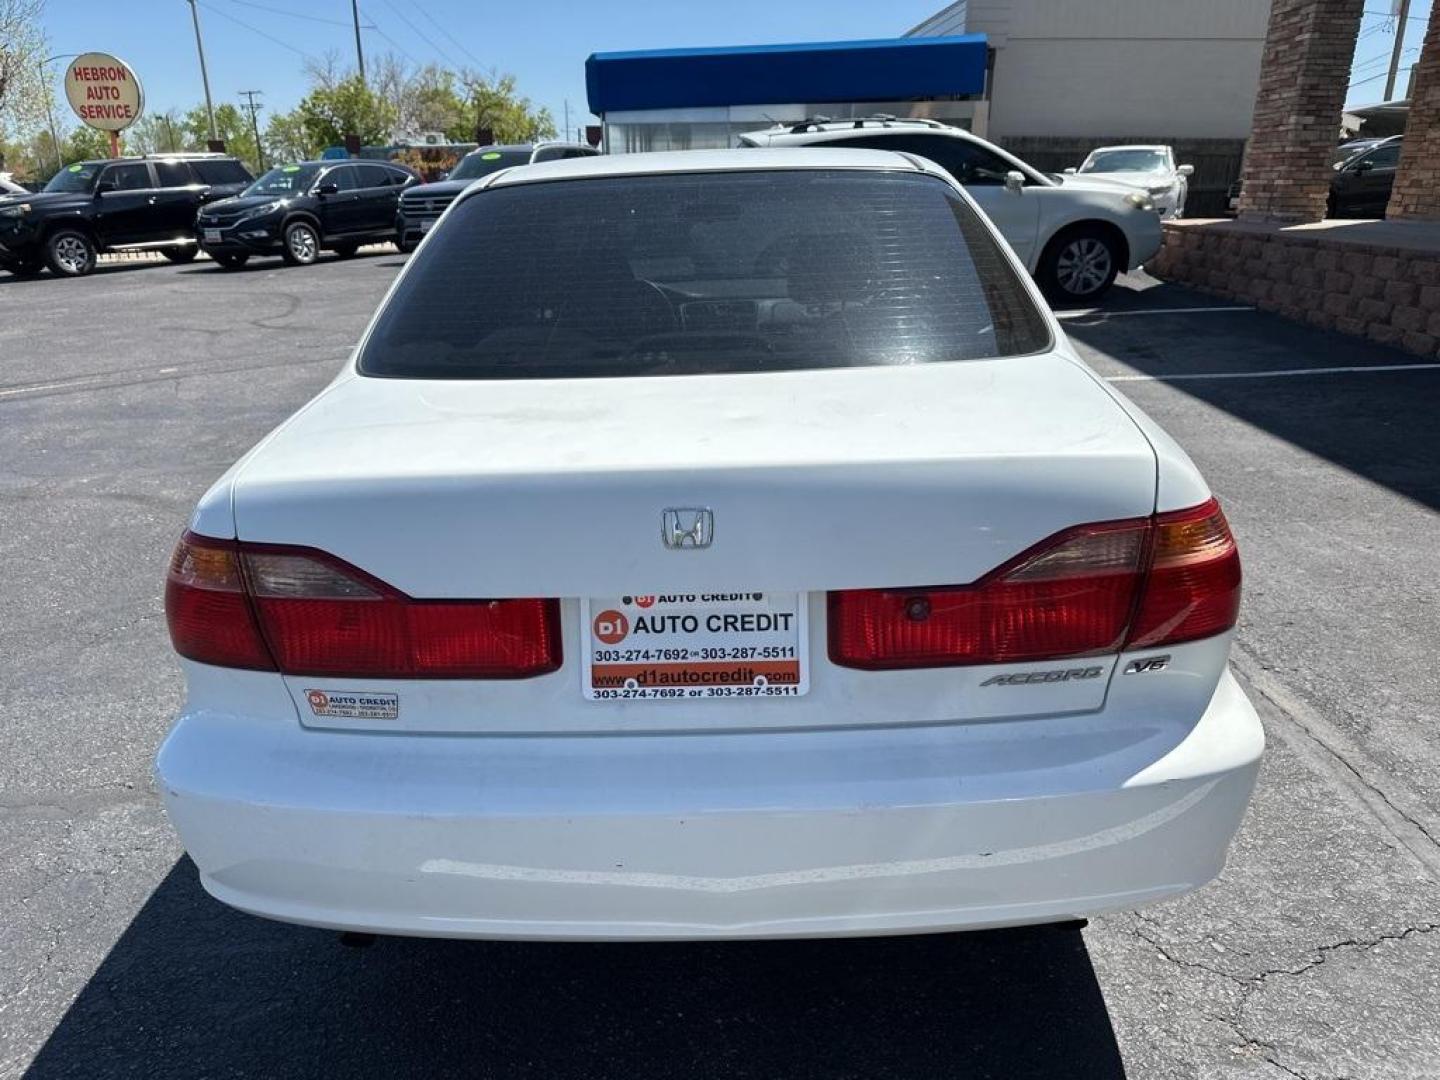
(1416, 192)
(1387, 292)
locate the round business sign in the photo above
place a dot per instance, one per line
(103, 91)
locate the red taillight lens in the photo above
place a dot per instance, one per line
(207, 609)
(1070, 596)
(1193, 588)
(320, 616)
(1088, 591)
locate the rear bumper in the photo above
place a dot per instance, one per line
(740, 835)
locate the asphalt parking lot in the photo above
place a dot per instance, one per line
(1317, 954)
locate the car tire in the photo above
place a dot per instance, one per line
(1079, 265)
(302, 243)
(180, 254)
(70, 253)
(230, 261)
(407, 247)
(346, 251)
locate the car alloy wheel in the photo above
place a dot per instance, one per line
(302, 246)
(1084, 266)
(71, 254)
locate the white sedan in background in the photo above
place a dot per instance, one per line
(1073, 235)
(746, 553)
(1151, 169)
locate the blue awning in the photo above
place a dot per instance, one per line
(893, 69)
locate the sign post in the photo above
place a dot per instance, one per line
(105, 94)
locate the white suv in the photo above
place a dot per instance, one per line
(1072, 234)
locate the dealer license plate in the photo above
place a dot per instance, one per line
(701, 645)
(212, 236)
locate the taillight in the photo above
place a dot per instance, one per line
(316, 615)
(207, 609)
(1088, 591)
(1193, 588)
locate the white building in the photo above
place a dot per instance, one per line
(1097, 68)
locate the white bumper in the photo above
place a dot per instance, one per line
(695, 836)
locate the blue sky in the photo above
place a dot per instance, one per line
(261, 44)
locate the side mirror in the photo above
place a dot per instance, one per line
(1069, 170)
(104, 187)
(328, 188)
(1186, 170)
(1361, 167)
(1014, 181)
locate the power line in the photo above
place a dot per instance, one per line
(448, 35)
(291, 14)
(254, 30)
(1391, 15)
(421, 34)
(1381, 75)
(393, 43)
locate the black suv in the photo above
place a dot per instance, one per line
(424, 203)
(95, 206)
(295, 211)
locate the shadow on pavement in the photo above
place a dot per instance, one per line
(101, 270)
(193, 989)
(1379, 425)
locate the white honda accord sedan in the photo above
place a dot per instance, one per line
(714, 544)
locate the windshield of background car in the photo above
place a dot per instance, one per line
(703, 273)
(1126, 161)
(286, 180)
(484, 162)
(75, 178)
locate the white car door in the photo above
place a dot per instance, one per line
(1015, 214)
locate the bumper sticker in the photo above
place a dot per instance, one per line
(354, 704)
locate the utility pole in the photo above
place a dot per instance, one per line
(204, 75)
(249, 96)
(1402, 18)
(359, 52)
(566, 128)
(50, 106)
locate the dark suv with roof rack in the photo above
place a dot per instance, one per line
(92, 207)
(422, 205)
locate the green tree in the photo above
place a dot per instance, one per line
(24, 87)
(232, 126)
(491, 101)
(158, 133)
(286, 140)
(328, 114)
(86, 143)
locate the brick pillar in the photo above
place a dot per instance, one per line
(1416, 194)
(1303, 74)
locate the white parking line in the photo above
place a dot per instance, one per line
(1085, 312)
(1278, 373)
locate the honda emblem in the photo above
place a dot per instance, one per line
(687, 527)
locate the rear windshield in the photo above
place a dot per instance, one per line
(703, 273)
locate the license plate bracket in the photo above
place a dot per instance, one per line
(700, 646)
